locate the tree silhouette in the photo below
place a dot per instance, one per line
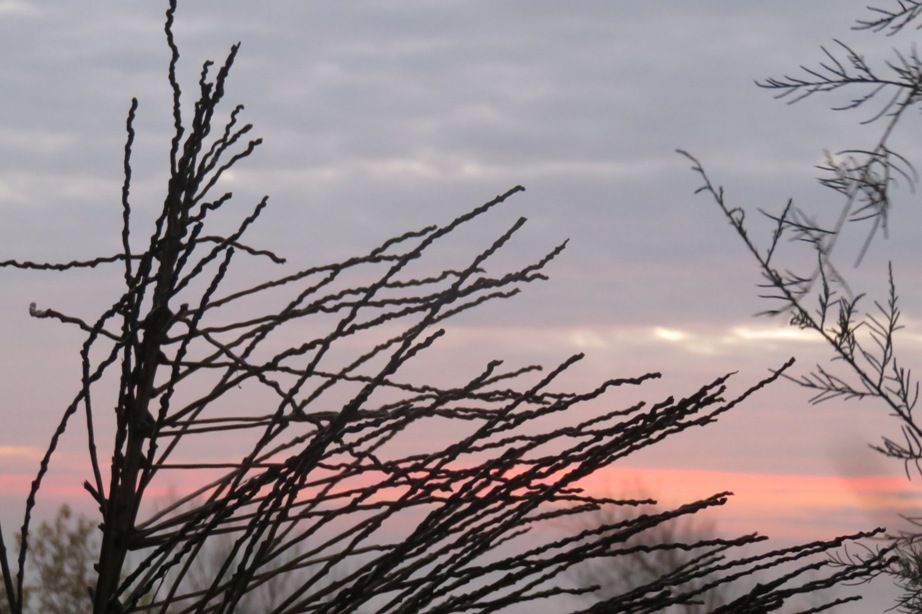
(61, 560)
(645, 565)
(811, 291)
(342, 462)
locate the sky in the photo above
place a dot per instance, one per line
(383, 116)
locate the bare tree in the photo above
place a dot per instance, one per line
(339, 468)
(812, 292)
(649, 563)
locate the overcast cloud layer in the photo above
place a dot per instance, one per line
(384, 116)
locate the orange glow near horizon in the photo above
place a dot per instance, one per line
(780, 505)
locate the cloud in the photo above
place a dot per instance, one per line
(779, 333)
(384, 116)
(17, 8)
(19, 188)
(607, 338)
(670, 334)
(718, 341)
(19, 452)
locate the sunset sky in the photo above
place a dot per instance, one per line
(383, 116)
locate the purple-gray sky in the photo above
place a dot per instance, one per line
(382, 116)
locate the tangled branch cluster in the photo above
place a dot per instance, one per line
(862, 339)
